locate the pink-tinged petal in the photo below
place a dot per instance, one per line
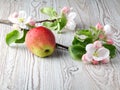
(15, 15)
(86, 58)
(95, 62)
(90, 48)
(110, 41)
(108, 30)
(99, 26)
(71, 25)
(71, 16)
(65, 10)
(97, 44)
(101, 54)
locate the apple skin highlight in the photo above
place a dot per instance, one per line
(40, 41)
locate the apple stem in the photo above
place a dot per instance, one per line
(46, 21)
(60, 45)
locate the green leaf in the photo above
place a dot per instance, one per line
(62, 21)
(49, 11)
(22, 39)
(12, 37)
(112, 49)
(51, 25)
(84, 32)
(77, 42)
(76, 51)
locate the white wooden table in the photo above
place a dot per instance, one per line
(21, 70)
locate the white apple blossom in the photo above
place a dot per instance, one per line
(21, 19)
(71, 25)
(95, 53)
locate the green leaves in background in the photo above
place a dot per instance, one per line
(81, 39)
(14, 37)
(57, 25)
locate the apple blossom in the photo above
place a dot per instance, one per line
(71, 25)
(21, 19)
(95, 54)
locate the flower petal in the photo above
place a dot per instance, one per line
(22, 14)
(71, 15)
(108, 30)
(102, 54)
(87, 58)
(71, 25)
(97, 44)
(90, 48)
(12, 19)
(106, 60)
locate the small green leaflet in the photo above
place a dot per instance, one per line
(49, 11)
(22, 39)
(14, 37)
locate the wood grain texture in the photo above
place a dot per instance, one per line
(21, 70)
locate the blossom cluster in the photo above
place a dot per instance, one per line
(96, 52)
(71, 25)
(20, 19)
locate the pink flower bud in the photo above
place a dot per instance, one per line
(110, 41)
(32, 23)
(99, 26)
(97, 44)
(65, 10)
(101, 36)
(95, 62)
(15, 15)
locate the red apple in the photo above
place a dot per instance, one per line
(40, 41)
